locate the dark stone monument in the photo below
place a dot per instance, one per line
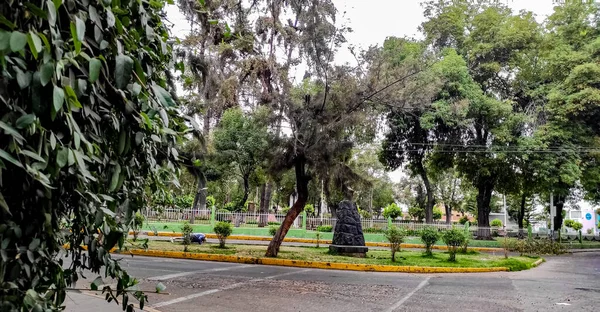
(348, 238)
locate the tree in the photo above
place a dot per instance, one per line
(89, 126)
(392, 211)
(450, 189)
(240, 141)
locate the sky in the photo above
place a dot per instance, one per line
(374, 20)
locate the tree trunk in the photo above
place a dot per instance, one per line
(522, 215)
(265, 200)
(558, 219)
(302, 189)
(241, 204)
(448, 213)
(200, 198)
(429, 191)
(484, 196)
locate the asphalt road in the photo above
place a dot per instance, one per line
(563, 283)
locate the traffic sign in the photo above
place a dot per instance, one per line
(588, 216)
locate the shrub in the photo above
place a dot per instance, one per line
(223, 230)
(569, 223)
(273, 223)
(577, 226)
(467, 233)
(272, 230)
(453, 238)
(310, 209)
(496, 223)
(538, 247)
(230, 206)
(395, 236)
(251, 222)
(210, 201)
(138, 222)
(186, 230)
(184, 201)
(325, 228)
(365, 214)
(429, 236)
(437, 214)
(392, 211)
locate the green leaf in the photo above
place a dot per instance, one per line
(18, 40)
(139, 71)
(35, 44)
(80, 28)
(58, 98)
(164, 97)
(4, 40)
(62, 157)
(72, 97)
(46, 43)
(46, 73)
(51, 12)
(94, 68)
(52, 141)
(11, 131)
(97, 282)
(6, 22)
(23, 78)
(110, 18)
(122, 138)
(36, 10)
(160, 287)
(70, 157)
(9, 158)
(114, 181)
(4, 205)
(33, 155)
(94, 16)
(25, 121)
(75, 37)
(124, 66)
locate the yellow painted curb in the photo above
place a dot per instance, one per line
(324, 241)
(308, 264)
(538, 262)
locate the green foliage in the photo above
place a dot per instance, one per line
(453, 238)
(224, 215)
(429, 236)
(577, 226)
(416, 213)
(310, 209)
(325, 228)
(223, 230)
(536, 247)
(273, 230)
(210, 201)
(85, 110)
(463, 220)
(273, 223)
(373, 230)
(392, 211)
(437, 214)
(569, 223)
(496, 223)
(468, 235)
(138, 222)
(395, 236)
(365, 214)
(186, 231)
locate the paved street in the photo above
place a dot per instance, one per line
(563, 283)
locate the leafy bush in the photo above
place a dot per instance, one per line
(569, 223)
(468, 235)
(273, 223)
(223, 230)
(437, 214)
(138, 222)
(365, 214)
(272, 230)
(429, 236)
(496, 223)
(210, 201)
(454, 238)
(395, 237)
(186, 230)
(463, 220)
(250, 222)
(230, 206)
(577, 226)
(325, 228)
(184, 201)
(392, 211)
(310, 209)
(537, 247)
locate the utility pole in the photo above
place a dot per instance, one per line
(552, 213)
(505, 212)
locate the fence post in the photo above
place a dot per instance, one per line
(389, 223)
(213, 213)
(304, 220)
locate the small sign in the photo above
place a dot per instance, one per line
(588, 216)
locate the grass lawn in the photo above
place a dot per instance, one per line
(382, 257)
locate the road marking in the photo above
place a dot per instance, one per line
(563, 303)
(401, 302)
(232, 286)
(176, 275)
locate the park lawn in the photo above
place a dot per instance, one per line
(379, 257)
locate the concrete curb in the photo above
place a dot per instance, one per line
(308, 264)
(314, 241)
(537, 263)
